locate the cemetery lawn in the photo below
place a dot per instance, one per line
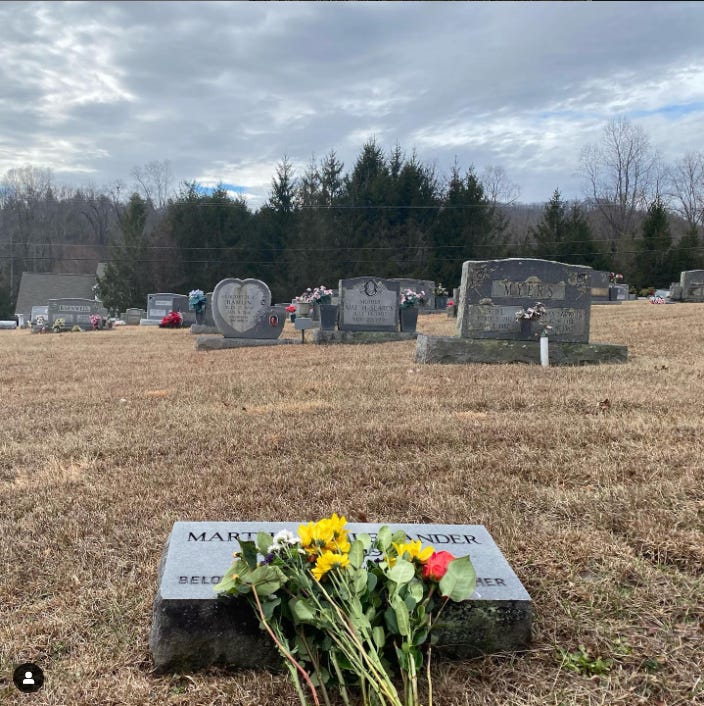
(590, 480)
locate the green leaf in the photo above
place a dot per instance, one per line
(421, 636)
(303, 611)
(383, 538)
(390, 619)
(268, 607)
(402, 616)
(226, 585)
(360, 582)
(248, 550)
(267, 579)
(371, 582)
(399, 537)
(379, 637)
(356, 554)
(366, 541)
(459, 580)
(264, 541)
(401, 572)
(416, 589)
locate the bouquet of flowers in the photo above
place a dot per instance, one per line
(96, 320)
(196, 300)
(173, 319)
(59, 325)
(304, 298)
(440, 290)
(291, 311)
(321, 295)
(532, 313)
(615, 277)
(341, 619)
(410, 298)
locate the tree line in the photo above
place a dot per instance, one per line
(389, 215)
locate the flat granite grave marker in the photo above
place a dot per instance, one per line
(193, 627)
(242, 311)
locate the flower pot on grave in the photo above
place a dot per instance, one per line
(327, 314)
(408, 318)
(440, 302)
(200, 316)
(303, 308)
(526, 328)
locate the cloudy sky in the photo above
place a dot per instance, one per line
(223, 90)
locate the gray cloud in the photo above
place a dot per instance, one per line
(223, 90)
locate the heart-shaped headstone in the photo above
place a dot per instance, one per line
(241, 307)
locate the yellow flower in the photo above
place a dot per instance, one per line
(413, 549)
(327, 534)
(328, 561)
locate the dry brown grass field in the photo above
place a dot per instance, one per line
(590, 480)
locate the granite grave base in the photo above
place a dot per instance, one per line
(199, 329)
(324, 337)
(149, 322)
(213, 343)
(193, 628)
(452, 349)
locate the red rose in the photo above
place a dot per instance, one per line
(436, 566)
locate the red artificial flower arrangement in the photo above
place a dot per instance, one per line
(173, 319)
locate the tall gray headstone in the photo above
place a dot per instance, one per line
(160, 304)
(242, 308)
(600, 286)
(692, 285)
(194, 628)
(368, 304)
(493, 291)
(419, 285)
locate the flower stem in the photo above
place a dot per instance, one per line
(285, 652)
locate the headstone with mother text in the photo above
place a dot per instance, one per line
(192, 627)
(368, 304)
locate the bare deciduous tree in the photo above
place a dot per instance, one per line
(685, 189)
(620, 172)
(154, 181)
(498, 188)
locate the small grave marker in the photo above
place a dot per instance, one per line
(192, 627)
